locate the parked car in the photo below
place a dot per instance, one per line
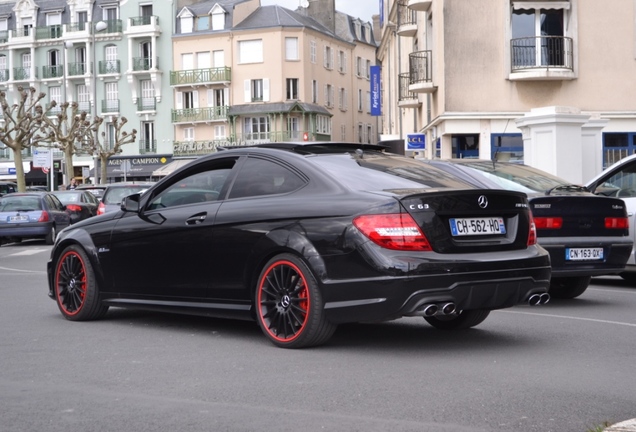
(31, 215)
(7, 187)
(586, 235)
(302, 237)
(80, 204)
(116, 192)
(619, 180)
(96, 190)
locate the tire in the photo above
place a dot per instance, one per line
(50, 237)
(459, 321)
(75, 288)
(569, 288)
(289, 306)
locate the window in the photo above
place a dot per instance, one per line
(314, 91)
(617, 145)
(465, 146)
(312, 51)
(112, 97)
(251, 51)
(360, 100)
(342, 61)
(506, 147)
(256, 128)
(359, 66)
(203, 60)
(112, 60)
(329, 95)
(293, 127)
(147, 142)
(218, 58)
(219, 132)
(292, 88)
(342, 99)
(83, 98)
(256, 90)
(55, 94)
(187, 61)
(147, 95)
(328, 60)
(369, 133)
(343, 132)
(323, 125)
(291, 48)
(217, 97)
(186, 19)
(188, 99)
(218, 18)
(203, 23)
(81, 18)
(260, 177)
(367, 70)
(188, 134)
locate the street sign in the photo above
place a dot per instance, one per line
(41, 158)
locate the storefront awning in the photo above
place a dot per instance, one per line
(134, 166)
(171, 167)
(8, 171)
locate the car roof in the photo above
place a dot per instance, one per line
(314, 147)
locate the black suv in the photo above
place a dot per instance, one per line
(7, 187)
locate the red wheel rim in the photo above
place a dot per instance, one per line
(70, 283)
(283, 301)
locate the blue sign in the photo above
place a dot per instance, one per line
(415, 141)
(381, 13)
(12, 171)
(376, 104)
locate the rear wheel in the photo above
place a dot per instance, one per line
(289, 306)
(460, 320)
(76, 288)
(569, 288)
(50, 237)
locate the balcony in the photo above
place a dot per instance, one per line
(407, 20)
(420, 5)
(4, 75)
(109, 67)
(23, 34)
(48, 32)
(23, 74)
(84, 106)
(201, 76)
(421, 72)
(4, 36)
(110, 106)
(143, 26)
(5, 153)
(76, 69)
(147, 146)
(147, 104)
(56, 71)
(406, 98)
(142, 63)
(542, 58)
(112, 26)
(199, 115)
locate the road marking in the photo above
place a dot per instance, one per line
(22, 271)
(615, 290)
(28, 252)
(571, 317)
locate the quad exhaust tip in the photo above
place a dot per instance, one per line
(538, 299)
(432, 309)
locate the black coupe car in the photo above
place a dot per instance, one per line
(303, 237)
(586, 235)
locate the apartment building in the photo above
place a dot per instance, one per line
(110, 57)
(244, 73)
(548, 82)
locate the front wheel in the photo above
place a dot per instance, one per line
(460, 320)
(289, 306)
(569, 288)
(50, 237)
(76, 288)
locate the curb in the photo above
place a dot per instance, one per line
(626, 426)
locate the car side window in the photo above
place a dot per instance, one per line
(260, 177)
(199, 187)
(621, 184)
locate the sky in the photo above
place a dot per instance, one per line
(357, 8)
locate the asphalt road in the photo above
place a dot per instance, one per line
(566, 366)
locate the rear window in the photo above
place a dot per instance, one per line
(517, 177)
(20, 204)
(380, 171)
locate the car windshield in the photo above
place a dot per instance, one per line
(378, 171)
(22, 203)
(115, 195)
(521, 178)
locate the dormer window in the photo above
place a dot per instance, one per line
(218, 17)
(186, 20)
(357, 28)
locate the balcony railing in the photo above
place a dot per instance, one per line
(4, 75)
(48, 32)
(542, 52)
(406, 19)
(147, 104)
(142, 63)
(143, 20)
(20, 73)
(55, 71)
(147, 146)
(112, 26)
(4, 36)
(76, 27)
(406, 97)
(75, 69)
(109, 66)
(196, 148)
(110, 105)
(84, 106)
(22, 32)
(191, 115)
(421, 72)
(201, 76)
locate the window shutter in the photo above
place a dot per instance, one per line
(265, 89)
(179, 100)
(210, 97)
(226, 96)
(247, 91)
(195, 99)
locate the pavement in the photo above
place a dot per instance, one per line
(626, 426)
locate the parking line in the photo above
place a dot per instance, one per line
(21, 271)
(570, 317)
(28, 252)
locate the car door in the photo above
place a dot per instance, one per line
(59, 214)
(620, 181)
(164, 250)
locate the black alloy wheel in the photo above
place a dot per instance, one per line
(460, 320)
(289, 307)
(76, 289)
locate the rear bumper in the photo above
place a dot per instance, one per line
(616, 252)
(25, 231)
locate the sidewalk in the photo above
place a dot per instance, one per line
(626, 426)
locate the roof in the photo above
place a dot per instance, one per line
(278, 16)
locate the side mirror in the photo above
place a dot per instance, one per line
(131, 203)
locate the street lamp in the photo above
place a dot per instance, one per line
(99, 27)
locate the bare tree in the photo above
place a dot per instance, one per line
(24, 126)
(96, 142)
(70, 133)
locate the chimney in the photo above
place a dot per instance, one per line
(323, 11)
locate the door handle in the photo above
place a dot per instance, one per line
(196, 219)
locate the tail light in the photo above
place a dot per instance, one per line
(44, 217)
(548, 222)
(532, 232)
(616, 223)
(101, 209)
(73, 208)
(393, 231)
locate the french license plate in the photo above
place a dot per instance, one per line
(580, 254)
(18, 218)
(477, 226)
